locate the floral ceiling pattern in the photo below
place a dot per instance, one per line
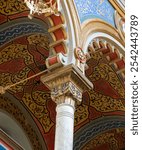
(24, 47)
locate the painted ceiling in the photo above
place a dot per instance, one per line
(24, 47)
(90, 9)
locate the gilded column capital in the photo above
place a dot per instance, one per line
(65, 83)
(65, 90)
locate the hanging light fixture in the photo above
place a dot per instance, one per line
(42, 7)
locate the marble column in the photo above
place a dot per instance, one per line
(67, 85)
(64, 124)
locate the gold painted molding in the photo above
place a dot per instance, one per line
(75, 21)
(118, 22)
(116, 5)
(98, 25)
(56, 43)
(52, 29)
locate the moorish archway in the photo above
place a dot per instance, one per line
(105, 110)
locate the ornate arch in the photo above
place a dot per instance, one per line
(27, 127)
(98, 28)
(24, 54)
(112, 52)
(106, 70)
(99, 39)
(99, 129)
(54, 25)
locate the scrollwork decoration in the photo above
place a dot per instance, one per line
(11, 7)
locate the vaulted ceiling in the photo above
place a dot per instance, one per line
(24, 47)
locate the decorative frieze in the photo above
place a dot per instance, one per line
(67, 89)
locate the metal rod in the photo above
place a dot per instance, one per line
(3, 89)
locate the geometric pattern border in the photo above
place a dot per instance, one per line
(98, 126)
(19, 30)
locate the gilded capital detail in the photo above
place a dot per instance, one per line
(68, 82)
(67, 89)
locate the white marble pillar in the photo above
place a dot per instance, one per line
(64, 125)
(66, 85)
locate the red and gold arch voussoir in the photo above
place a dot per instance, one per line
(111, 53)
(59, 35)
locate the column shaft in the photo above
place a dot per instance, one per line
(64, 127)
